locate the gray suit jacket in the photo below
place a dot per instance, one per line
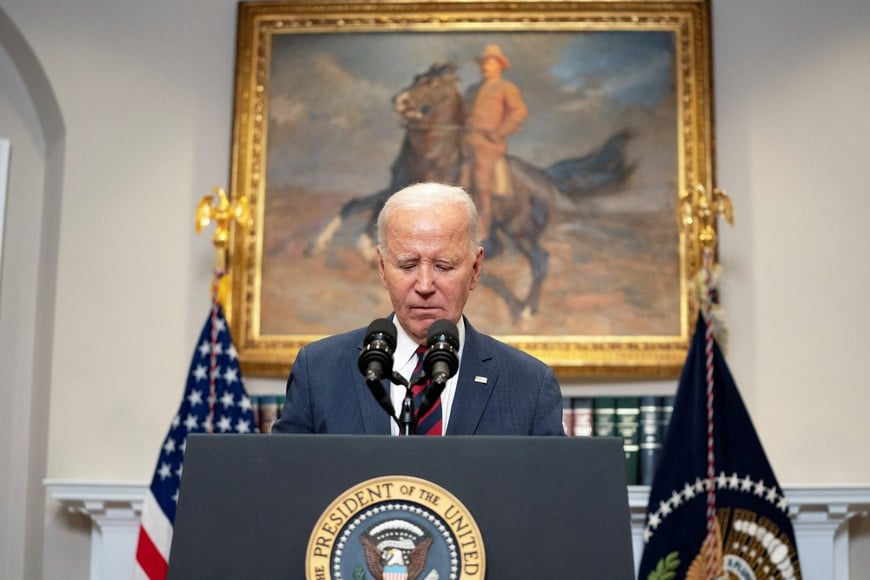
(326, 393)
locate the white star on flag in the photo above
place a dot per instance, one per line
(200, 373)
(194, 398)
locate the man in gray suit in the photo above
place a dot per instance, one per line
(429, 260)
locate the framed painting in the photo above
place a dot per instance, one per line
(338, 105)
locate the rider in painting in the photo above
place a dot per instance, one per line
(495, 109)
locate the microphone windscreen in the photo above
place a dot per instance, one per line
(383, 326)
(443, 328)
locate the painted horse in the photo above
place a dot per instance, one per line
(431, 112)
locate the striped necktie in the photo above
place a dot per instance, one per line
(430, 423)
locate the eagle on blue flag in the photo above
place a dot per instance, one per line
(715, 507)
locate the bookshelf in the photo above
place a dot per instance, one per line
(641, 421)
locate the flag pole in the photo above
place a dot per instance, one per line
(743, 529)
(224, 213)
(698, 214)
(215, 360)
(712, 541)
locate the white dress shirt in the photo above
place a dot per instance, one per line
(404, 361)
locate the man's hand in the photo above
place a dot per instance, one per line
(493, 135)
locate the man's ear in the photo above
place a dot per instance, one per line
(381, 266)
(476, 268)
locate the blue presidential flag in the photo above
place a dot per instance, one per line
(753, 535)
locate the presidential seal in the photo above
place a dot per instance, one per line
(395, 528)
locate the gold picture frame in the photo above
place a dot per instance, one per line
(621, 89)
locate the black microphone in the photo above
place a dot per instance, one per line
(376, 359)
(441, 360)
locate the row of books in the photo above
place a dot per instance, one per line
(266, 410)
(641, 422)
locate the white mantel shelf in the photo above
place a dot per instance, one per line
(820, 514)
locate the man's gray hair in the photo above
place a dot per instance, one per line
(431, 194)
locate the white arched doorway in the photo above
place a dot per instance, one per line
(30, 117)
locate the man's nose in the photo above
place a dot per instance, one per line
(425, 279)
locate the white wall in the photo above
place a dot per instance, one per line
(792, 86)
(4, 170)
(145, 92)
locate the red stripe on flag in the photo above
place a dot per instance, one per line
(149, 559)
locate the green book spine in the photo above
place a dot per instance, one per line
(650, 437)
(604, 416)
(628, 427)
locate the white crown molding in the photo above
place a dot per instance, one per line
(801, 498)
(97, 499)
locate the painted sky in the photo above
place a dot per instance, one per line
(332, 126)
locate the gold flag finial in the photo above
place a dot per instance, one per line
(219, 209)
(698, 213)
(700, 209)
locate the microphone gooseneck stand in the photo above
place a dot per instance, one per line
(407, 419)
(440, 362)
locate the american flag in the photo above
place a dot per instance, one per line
(214, 401)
